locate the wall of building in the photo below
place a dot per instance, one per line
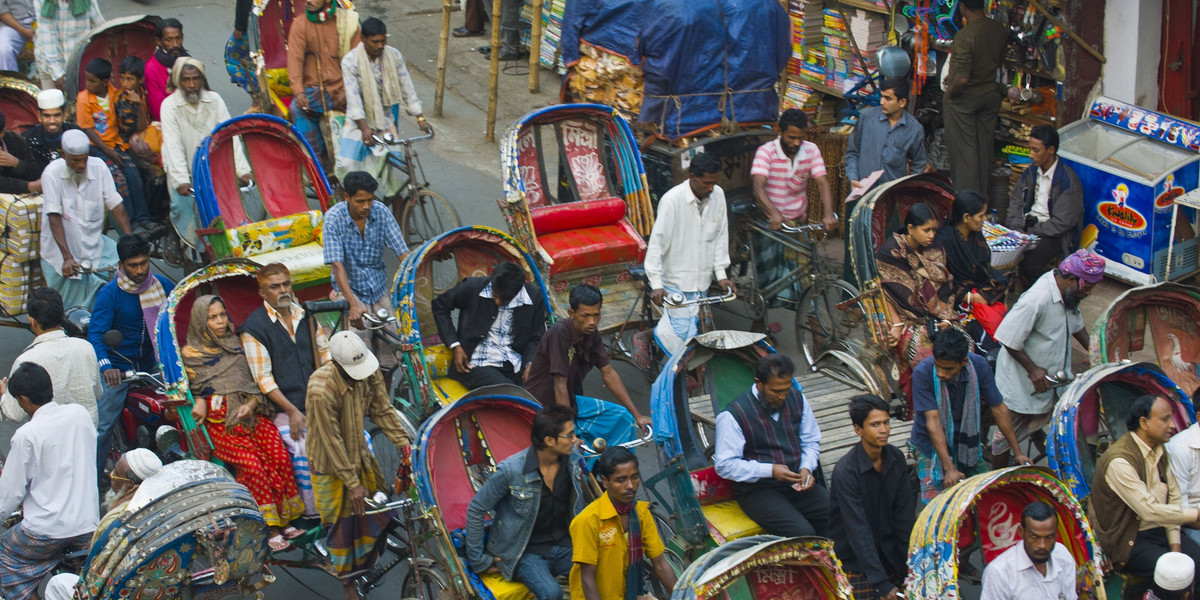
(1132, 48)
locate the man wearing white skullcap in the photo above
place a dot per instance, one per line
(131, 470)
(77, 189)
(61, 586)
(1173, 574)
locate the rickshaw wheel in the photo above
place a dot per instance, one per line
(433, 580)
(830, 317)
(427, 216)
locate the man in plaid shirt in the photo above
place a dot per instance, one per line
(356, 232)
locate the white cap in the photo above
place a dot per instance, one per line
(1174, 571)
(143, 462)
(353, 355)
(75, 142)
(52, 98)
(61, 587)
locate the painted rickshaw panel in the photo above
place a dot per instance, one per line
(770, 567)
(112, 40)
(1158, 322)
(18, 102)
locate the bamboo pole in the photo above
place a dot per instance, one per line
(494, 83)
(443, 52)
(535, 47)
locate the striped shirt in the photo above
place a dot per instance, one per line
(787, 178)
(496, 347)
(260, 359)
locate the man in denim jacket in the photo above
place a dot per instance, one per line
(532, 496)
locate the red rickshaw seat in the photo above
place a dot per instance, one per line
(725, 519)
(582, 235)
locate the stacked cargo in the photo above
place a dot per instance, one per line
(606, 78)
(20, 267)
(837, 49)
(870, 34)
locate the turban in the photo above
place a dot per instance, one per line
(1085, 265)
(180, 63)
(143, 463)
(75, 142)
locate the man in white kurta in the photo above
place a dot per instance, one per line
(188, 116)
(377, 87)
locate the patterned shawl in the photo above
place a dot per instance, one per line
(916, 281)
(216, 365)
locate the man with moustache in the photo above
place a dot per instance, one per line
(76, 191)
(1035, 337)
(131, 470)
(169, 35)
(1039, 567)
(45, 138)
(188, 116)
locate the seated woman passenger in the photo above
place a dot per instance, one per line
(227, 400)
(919, 288)
(977, 286)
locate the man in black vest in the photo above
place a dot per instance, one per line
(279, 347)
(501, 319)
(768, 444)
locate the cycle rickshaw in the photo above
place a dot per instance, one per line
(764, 567)
(112, 40)
(982, 512)
(1169, 315)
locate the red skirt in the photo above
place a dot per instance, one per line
(260, 462)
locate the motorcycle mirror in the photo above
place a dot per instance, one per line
(113, 338)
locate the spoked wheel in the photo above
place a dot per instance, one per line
(831, 318)
(433, 581)
(426, 216)
(386, 452)
(637, 347)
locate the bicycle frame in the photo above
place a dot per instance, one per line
(804, 248)
(408, 162)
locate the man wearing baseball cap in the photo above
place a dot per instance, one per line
(344, 472)
(1036, 338)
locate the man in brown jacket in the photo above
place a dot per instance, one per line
(1047, 202)
(316, 45)
(1135, 509)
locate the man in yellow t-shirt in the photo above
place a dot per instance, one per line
(601, 536)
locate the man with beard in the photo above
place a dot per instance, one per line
(316, 45)
(188, 116)
(77, 189)
(131, 470)
(1036, 338)
(129, 304)
(1038, 567)
(280, 347)
(45, 138)
(169, 35)
(61, 26)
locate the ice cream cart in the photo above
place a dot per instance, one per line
(1133, 163)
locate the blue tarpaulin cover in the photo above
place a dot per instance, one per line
(702, 60)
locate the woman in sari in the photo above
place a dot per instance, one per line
(227, 399)
(919, 288)
(977, 286)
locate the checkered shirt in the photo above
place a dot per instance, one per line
(361, 252)
(496, 347)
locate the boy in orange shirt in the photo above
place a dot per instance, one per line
(95, 113)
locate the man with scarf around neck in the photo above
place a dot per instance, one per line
(61, 26)
(532, 497)
(769, 446)
(950, 390)
(130, 304)
(189, 115)
(1135, 503)
(317, 43)
(76, 191)
(615, 535)
(1035, 338)
(377, 87)
(169, 35)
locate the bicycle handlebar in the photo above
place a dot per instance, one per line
(803, 228)
(676, 300)
(321, 306)
(599, 444)
(388, 139)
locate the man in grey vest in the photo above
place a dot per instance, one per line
(768, 444)
(280, 347)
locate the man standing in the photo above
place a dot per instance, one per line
(781, 170)
(1038, 567)
(950, 390)
(70, 361)
(19, 172)
(530, 541)
(1134, 508)
(49, 475)
(16, 28)
(1035, 337)
(887, 139)
(568, 351)
(871, 506)
(283, 345)
(316, 45)
(972, 105)
(169, 35)
(769, 446)
(377, 87)
(688, 248)
(130, 304)
(188, 116)
(96, 115)
(356, 231)
(501, 319)
(1047, 202)
(510, 33)
(341, 394)
(61, 26)
(76, 190)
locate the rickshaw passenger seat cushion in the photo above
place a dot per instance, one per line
(437, 360)
(582, 235)
(577, 215)
(504, 589)
(448, 390)
(726, 520)
(275, 234)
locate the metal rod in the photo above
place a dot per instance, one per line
(443, 52)
(535, 47)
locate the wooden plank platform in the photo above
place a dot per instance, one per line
(830, 400)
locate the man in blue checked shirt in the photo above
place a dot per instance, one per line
(356, 231)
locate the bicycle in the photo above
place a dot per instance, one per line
(421, 212)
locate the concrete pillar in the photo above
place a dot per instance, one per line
(1132, 46)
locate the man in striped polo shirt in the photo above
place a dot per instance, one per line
(781, 170)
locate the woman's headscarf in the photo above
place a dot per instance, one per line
(216, 365)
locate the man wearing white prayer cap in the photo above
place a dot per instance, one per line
(134, 467)
(76, 190)
(1173, 575)
(61, 587)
